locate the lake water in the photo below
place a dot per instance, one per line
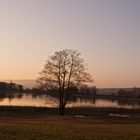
(28, 100)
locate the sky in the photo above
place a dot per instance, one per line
(106, 32)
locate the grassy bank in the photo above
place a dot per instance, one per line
(86, 111)
(30, 123)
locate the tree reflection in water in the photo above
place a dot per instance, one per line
(49, 101)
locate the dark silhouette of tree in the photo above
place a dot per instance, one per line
(3, 87)
(63, 71)
(9, 90)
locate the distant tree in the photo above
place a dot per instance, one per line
(10, 87)
(63, 71)
(3, 87)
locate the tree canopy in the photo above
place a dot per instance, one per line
(63, 71)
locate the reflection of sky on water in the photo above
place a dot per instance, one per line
(52, 102)
(28, 100)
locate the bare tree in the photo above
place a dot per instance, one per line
(62, 71)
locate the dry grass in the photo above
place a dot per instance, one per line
(38, 125)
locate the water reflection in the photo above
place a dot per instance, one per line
(105, 103)
(48, 101)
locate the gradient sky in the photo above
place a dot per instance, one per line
(106, 32)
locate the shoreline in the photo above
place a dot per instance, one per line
(87, 111)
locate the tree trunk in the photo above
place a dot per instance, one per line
(61, 110)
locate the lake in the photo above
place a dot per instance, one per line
(48, 101)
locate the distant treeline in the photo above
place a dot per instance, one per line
(9, 89)
(135, 92)
(84, 91)
(88, 92)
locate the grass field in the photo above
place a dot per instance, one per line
(24, 124)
